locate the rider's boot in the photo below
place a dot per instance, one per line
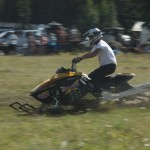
(90, 85)
(98, 92)
(94, 91)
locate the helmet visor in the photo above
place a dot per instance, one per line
(90, 37)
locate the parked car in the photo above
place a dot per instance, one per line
(4, 36)
(4, 46)
(3, 30)
(140, 33)
(116, 34)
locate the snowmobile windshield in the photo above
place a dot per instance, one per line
(62, 70)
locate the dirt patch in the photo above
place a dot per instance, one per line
(140, 99)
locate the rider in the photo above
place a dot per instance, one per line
(105, 55)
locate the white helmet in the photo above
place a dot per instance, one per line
(93, 35)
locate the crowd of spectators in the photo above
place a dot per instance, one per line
(55, 40)
(49, 41)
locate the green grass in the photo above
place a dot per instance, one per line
(111, 128)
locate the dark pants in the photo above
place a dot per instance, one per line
(98, 74)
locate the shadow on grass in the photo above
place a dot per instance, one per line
(86, 107)
(91, 106)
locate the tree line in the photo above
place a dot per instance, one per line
(83, 13)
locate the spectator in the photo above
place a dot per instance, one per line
(52, 43)
(145, 47)
(74, 37)
(31, 44)
(12, 41)
(19, 49)
(62, 37)
(43, 43)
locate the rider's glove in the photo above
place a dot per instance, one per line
(77, 59)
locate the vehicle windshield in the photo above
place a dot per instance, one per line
(2, 34)
(62, 70)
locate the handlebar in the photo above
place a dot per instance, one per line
(73, 66)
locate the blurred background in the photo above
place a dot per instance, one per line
(50, 26)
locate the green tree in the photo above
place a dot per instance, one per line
(113, 15)
(142, 8)
(107, 14)
(1, 8)
(129, 12)
(88, 16)
(8, 13)
(41, 10)
(23, 11)
(104, 15)
(63, 11)
(84, 13)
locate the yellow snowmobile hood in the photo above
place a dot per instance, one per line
(57, 77)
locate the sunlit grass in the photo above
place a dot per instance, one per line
(111, 128)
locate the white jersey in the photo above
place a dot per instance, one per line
(106, 55)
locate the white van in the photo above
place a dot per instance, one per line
(22, 40)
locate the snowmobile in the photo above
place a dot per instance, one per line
(68, 86)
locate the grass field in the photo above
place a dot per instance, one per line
(112, 128)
